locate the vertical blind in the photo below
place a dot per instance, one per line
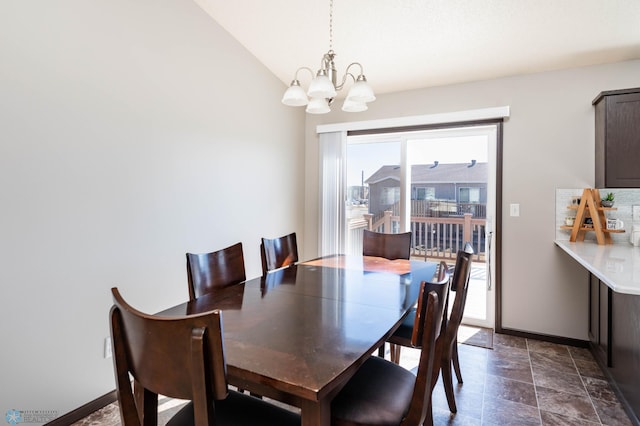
(333, 170)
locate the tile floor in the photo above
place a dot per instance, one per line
(527, 382)
(519, 382)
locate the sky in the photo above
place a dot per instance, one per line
(366, 158)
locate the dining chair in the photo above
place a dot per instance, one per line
(459, 285)
(383, 393)
(389, 246)
(208, 271)
(449, 336)
(279, 252)
(404, 334)
(179, 357)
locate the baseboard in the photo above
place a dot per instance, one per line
(546, 338)
(85, 410)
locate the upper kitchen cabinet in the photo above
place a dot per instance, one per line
(618, 139)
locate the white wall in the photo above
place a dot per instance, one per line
(548, 144)
(131, 132)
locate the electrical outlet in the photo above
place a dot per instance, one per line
(107, 347)
(635, 213)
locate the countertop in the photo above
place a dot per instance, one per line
(616, 265)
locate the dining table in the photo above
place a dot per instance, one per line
(297, 334)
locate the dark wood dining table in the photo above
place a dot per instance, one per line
(298, 334)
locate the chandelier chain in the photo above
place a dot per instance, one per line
(331, 25)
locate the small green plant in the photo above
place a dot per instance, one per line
(608, 200)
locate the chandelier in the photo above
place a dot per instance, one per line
(323, 87)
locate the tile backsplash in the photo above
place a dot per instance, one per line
(624, 200)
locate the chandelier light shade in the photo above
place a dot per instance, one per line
(323, 87)
(318, 106)
(361, 91)
(354, 106)
(295, 96)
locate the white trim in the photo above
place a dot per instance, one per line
(417, 120)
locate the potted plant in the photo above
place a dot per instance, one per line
(608, 200)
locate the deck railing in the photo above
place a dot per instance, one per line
(431, 237)
(438, 208)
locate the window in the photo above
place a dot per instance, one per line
(424, 193)
(390, 196)
(469, 195)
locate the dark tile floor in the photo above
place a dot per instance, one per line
(518, 382)
(527, 382)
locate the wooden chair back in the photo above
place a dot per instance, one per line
(279, 252)
(459, 284)
(448, 347)
(430, 325)
(207, 271)
(146, 347)
(389, 246)
(442, 279)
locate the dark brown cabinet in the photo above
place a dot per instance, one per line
(617, 156)
(614, 334)
(600, 319)
(625, 339)
(594, 310)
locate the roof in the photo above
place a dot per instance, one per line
(427, 173)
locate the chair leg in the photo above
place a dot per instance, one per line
(395, 353)
(428, 421)
(447, 381)
(381, 351)
(456, 361)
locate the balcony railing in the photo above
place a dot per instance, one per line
(438, 208)
(432, 237)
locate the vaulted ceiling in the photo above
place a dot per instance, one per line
(409, 44)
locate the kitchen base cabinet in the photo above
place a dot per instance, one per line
(594, 310)
(614, 315)
(614, 334)
(600, 319)
(625, 351)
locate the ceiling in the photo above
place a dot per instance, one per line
(409, 44)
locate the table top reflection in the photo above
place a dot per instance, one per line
(298, 334)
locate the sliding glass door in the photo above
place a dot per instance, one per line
(438, 184)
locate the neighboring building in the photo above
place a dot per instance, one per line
(357, 195)
(461, 184)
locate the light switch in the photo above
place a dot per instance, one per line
(515, 210)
